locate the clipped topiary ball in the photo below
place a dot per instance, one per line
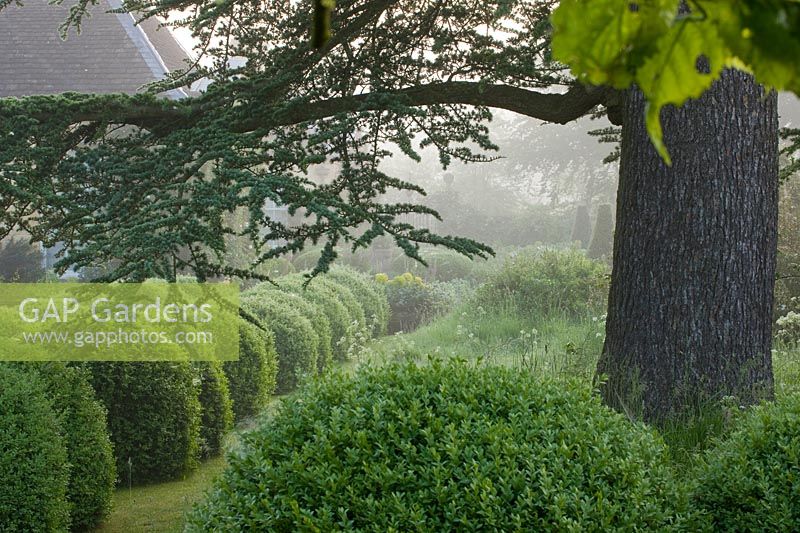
(447, 447)
(329, 303)
(309, 310)
(34, 470)
(296, 342)
(251, 379)
(355, 309)
(153, 417)
(89, 451)
(751, 480)
(370, 294)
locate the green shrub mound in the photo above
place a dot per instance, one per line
(153, 417)
(447, 447)
(34, 470)
(309, 310)
(370, 294)
(751, 480)
(357, 320)
(83, 422)
(251, 379)
(216, 419)
(546, 282)
(411, 300)
(296, 342)
(307, 259)
(327, 300)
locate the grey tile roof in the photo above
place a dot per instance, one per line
(111, 54)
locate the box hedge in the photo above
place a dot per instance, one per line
(357, 322)
(153, 417)
(447, 447)
(251, 379)
(328, 301)
(83, 421)
(750, 481)
(296, 342)
(310, 310)
(34, 469)
(216, 418)
(369, 293)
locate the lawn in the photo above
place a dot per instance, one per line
(160, 507)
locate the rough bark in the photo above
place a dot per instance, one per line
(689, 316)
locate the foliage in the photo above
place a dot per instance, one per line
(581, 228)
(445, 447)
(603, 235)
(369, 294)
(153, 417)
(262, 127)
(449, 295)
(528, 194)
(89, 452)
(751, 480)
(34, 469)
(20, 261)
(544, 282)
(216, 418)
(357, 320)
(251, 379)
(319, 321)
(787, 285)
(336, 312)
(241, 254)
(674, 54)
(411, 301)
(441, 266)
(296, 342)
(788, 328)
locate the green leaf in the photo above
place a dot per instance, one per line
(604, 41)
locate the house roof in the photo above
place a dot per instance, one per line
(111, 55)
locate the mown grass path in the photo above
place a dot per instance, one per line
(160, 507)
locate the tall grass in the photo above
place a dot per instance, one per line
(556, 346)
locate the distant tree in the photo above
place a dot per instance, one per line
(582, 228)
(20, 261)
(603, 235)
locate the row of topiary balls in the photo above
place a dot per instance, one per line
(68, 432)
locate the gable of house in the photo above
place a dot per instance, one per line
(112, 54)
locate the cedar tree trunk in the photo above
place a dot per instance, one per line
(690, 305)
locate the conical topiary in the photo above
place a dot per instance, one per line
(603, 236)
(582, 229)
